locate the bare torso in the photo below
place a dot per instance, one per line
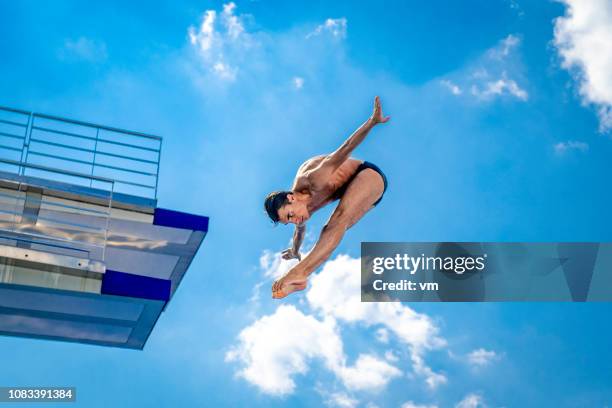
(321, 185)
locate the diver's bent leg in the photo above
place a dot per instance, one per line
(330, 238)
(360, 196)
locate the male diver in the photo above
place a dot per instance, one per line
(359, 185)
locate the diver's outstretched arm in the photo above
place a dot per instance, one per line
(298, 238)
(340, 155)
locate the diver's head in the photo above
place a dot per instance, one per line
(286, 207)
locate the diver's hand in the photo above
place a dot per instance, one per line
(289, 254)
(377, 116)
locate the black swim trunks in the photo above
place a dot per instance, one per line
(365, 165)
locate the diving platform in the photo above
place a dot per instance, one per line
(85, 253)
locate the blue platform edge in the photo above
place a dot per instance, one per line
(137, 286)
(177, 219)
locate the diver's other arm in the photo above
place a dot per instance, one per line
(298, 238)
(330, 238)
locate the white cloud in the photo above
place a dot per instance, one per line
(562, 148)
(390, 356)
(583, 37)
(204, 37)
(453, 88)
(516, 7)
(278, 346)
(491, 75)
(382, 335)
(432, 378)
(273, 265)
(334, 26)
(224, 71)
(368, 373)
(298, 82)
(232, 23)
(336, 291)
(509, 43)
(410, 404)
(218, 38)
(481, 357)
(505, 47)
(256, 294)
(84, 49)
(341, 400)
(499, 87)
(471, 401)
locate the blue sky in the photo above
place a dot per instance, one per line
(500, 131)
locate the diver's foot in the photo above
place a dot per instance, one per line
(287, 285)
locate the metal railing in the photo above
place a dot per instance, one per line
(60, 148)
